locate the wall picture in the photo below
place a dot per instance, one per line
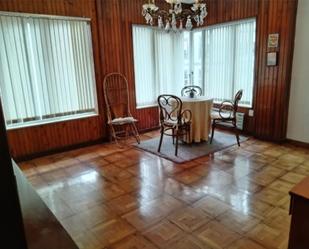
(273, 40)
(272, 59)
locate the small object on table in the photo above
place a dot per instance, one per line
(299, 209)
(191, 91)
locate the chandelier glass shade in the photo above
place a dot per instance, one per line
(176, 18)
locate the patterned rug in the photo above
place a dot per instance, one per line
(188, 152)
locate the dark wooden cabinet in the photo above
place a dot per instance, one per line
(299, 209)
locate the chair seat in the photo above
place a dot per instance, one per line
(173, 123)
(224, 115)
(122, 121)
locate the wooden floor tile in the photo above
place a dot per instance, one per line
(302, 170)
(151, 213)
(278, 218)
(286, 165)
(292, 158)
(292, 177)
(245, 244)
(281, 186)
(247, 185)
(164, 233)
(187, 177)
(269, 237)
(87, 240)
(238, 222)
(133, 242)
(112, 231)
(270, 196)
(212, 206)
(257, 208)
(216, 235)
(124, 204)
(189, 219)
(188, 242)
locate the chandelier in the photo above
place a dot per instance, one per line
(176, 17)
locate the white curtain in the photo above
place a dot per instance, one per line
(229, 60)
(158, 63)
(48, 68)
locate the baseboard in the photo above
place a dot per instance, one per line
(298, 143)
(58, 150)
(72, 147)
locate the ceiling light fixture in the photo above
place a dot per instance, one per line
(176, 16)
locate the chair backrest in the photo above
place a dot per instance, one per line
(170, 108)
(237, 98)
(191, 91)
(116, 94)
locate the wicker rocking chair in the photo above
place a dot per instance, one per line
(119, 117)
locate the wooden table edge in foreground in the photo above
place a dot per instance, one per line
(299, 209)
(43, 230)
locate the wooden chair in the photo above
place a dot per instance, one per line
(226, 115)
(119, 117)
(174, 121)
(191, 91)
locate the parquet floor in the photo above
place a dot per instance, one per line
(108, 197)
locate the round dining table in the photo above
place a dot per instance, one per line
(200, 108)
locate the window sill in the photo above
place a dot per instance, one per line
(146, 106)
(51, 121)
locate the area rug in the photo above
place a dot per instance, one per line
(188, 152)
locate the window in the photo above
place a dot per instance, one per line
(46, 68)
(218, 58)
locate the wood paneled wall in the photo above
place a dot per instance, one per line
(272, 85)
(112, 38)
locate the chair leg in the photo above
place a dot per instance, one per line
(189, 134)
(113, 133)
(176, 147)
(173, 135)
(212, 131)
(236, 134)
(136, 134)
(161, 138)
(126, 132)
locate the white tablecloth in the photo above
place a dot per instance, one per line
(201, 117)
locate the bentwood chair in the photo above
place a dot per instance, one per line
(119, 117)
(226, 115)
(191, 91)
(174, 121)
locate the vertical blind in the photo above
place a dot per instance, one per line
(219, 58)
(158, 59)
(229, 61)
(46, 68)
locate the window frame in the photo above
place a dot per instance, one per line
(60, 118)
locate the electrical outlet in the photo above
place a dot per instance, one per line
(251, 113)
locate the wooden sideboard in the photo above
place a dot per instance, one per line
(42, 229)
(299, 209)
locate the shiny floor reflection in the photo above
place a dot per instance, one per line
(107, 197)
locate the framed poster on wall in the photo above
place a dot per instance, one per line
(273, 40)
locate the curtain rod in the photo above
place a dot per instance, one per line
(42, 16)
